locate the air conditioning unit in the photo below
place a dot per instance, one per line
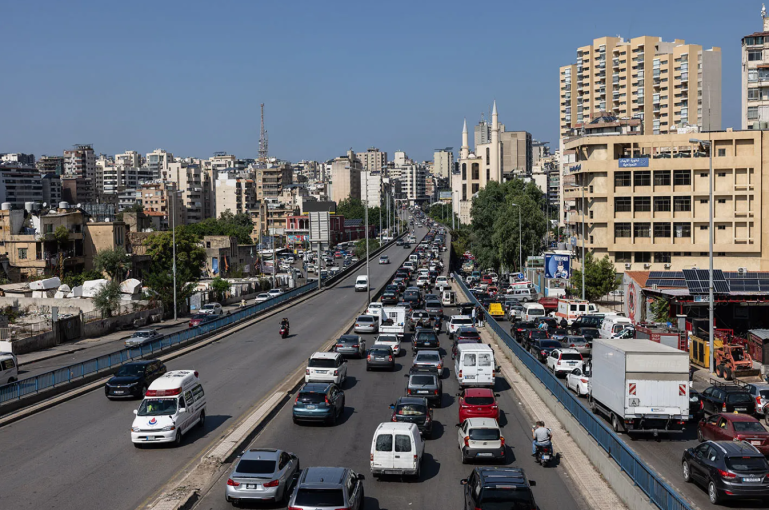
(627, 265)
(667, 266)
(647, 266)
(742, 270)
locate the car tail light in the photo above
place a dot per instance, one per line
(232, 483)
(758, 401)
(723, 407)
(584, 381)
(336, 372)
(702, 405)
(355, 345)
(572, 345)
(726, 474)
(389, 358)
(307, 371)
(368, 358)
(502, 440)
(460, 374)
(494, 407)
(326, 399)
(436, 392)
(408, 391)
(339, 345)
(543, 353)
(273, 483)
(394, 417)
(467, 440)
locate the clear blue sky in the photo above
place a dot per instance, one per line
(189, 76)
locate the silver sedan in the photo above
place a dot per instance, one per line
(262, 474)
(366, 324)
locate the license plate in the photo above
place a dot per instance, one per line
(469, 377)
(380, 359)
(757, 443)
(484, 455)
(147, 438)
(422, 392)
(118, 392)
(250, 486)
(392, 472)
(310, 407)
(321, 372)
(751, 480)
(740, 408)
(546, 457)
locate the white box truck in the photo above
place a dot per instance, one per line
(640, 385)
(395, 321)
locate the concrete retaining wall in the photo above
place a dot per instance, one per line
(34, 343)
(105, 326)
(43, 305)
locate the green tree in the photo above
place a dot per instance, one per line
(107, 299)
(61, 236)
(660, 309)
(190, 259)
(600, 277)
(360, 247)
(228, 224)
(115, 263)
(220, 286)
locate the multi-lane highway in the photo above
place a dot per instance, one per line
(78, 455)
(368, 396)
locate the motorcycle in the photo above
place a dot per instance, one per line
(544, 454)
(283, 331)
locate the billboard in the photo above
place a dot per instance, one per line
(557, 266)
(445, 195)
(634, 162)
(319, 227)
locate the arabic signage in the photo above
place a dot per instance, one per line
(557, 266)
(634, 162)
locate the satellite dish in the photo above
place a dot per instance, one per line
(79, 206)
(45, 204)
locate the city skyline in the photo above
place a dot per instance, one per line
(144, 88)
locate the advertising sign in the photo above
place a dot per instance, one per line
(557, 266)
(297, 238)
(634, 162)
(445, 195)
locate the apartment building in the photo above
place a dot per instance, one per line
(51, 184)
(371, 188)
(233, 194)
(194, 183)
(665, 84)
(128, 158)
(373, 160)
(271, 181)
(157, 163)
(443, 162)
(345, 177)
(755, 77)
(19, 184)
(157, 198)
(50, 164)
(646, 199)
(18, 158)
(80, 162)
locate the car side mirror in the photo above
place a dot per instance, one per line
(136, 411)
(361, 477)
(532, 483)
(463, 481)
(458, 425)
(392, 406)
(182, 410)
(498, 368)
(344, 360)
(496, 395)
(405, 375)
(459, 394)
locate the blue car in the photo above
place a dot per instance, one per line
(323, 402)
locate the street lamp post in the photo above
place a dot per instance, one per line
(709, 145)
(520, 240)
(173, 243)
(368, 276)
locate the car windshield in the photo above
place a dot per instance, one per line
(157, 407)
(256, 466)
(423, 380)
(143, 334)
(411, 410)
(484, 434)
(738, 398)
(568, 356)
(748, 426)
(322, 363)
(311, 397)
(428, 357)
(506, 499)
(319, 497)
(746, 463)
(130, 370)
(479, 401)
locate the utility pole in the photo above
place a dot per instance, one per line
(368, 275)
(274, 259)
(173, 243)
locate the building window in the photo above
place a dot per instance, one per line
(464, 192)
(622, 204)
(476, 171)
(642, 230)
(682, 177)
(662, 257)
(623, 256)
(22, 253)
(621, 179)
(754, 55)
(721, 154)
(488, 156)
(752, 112)
(661, 204)
(662, 230)
(476, 187)
(642, 178)
(754, 94)
(752, 74)
(662, 177)
(682, 229)
(721, 200)
(622, 230)
(488, 174)
(464, 171)
(643, 256)
(682, 204)
(642, 204)
(722, 227)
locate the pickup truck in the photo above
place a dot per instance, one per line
(395, 321)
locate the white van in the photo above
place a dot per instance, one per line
(522, 294)
(173, 404)
(397, 449)
(474, 365)
(361, 283)
(9, 368)
(613, 324)
(533, 311)
(414, 258)
(449, 298)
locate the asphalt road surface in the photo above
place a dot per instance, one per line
(78, 455)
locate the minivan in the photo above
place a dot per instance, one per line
(397, 448)
(361, 283)
(173, 404)
(532, 311)
(613, 324)
(522, 294)
(9, 368)
(474, 365)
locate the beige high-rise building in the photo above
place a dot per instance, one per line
(443, 162)
(271, 181)
(345, 177)
(234, 194)
(646, 200)
(755, 76)
(373, 160)
(666, 84)
(195, 186)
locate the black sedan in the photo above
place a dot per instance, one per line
(380, 356)
(389, 297)
(133, 379)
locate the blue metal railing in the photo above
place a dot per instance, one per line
(659, 493)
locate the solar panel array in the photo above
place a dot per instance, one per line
(698, 281)
(677, 275)
(665, 282)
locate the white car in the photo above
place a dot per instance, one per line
(326, 367)
(361, 283)
(384, 259)
(261, 298)
(578, 379)
(275, 293)
(481, 439)
(142, 337)
(212, 309)
(423, 281)
(442, 283)
(390, 341)
(374, 309)
(456, 322)
(561, 361)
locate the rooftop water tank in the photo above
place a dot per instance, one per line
(6, 206)
(29, 206)
(63, 205)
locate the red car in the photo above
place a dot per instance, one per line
(487, 280)
(478, 403)
(734, 427)
(201, 318)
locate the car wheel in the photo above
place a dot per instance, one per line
(686, 470)
(138, 445)
(464, 459)
(202, 420)
(615, 424)
(713, 493)
(700, 438)
(178, 438)
(368, 368)
(293, 418)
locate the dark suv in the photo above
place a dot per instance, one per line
(728, 470)
(425, 382)
(541, 349)
(321, 488)
(520, 328)
(414, 410)
(727, 398)
(532, 336)
(497, 487)
(425, 339)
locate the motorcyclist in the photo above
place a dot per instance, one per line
(541, 436)
(284, 324)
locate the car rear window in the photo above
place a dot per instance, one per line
(571, 356)
(365, 318)
(319, 497)
(461, 321)
(384, 443)
(311, 398)
(422, 380)
(535, 312)
(256, 466)
(549, 344)
(746, 463)
(748, 426)
(764, 393)
(411, 410)
(380, 351)
(484, 434)
(322, 363)
(427, 356)
(426, 336)
(738, 398)
(402, 443)
(538, 333)
(469, 335)
(479, 401)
